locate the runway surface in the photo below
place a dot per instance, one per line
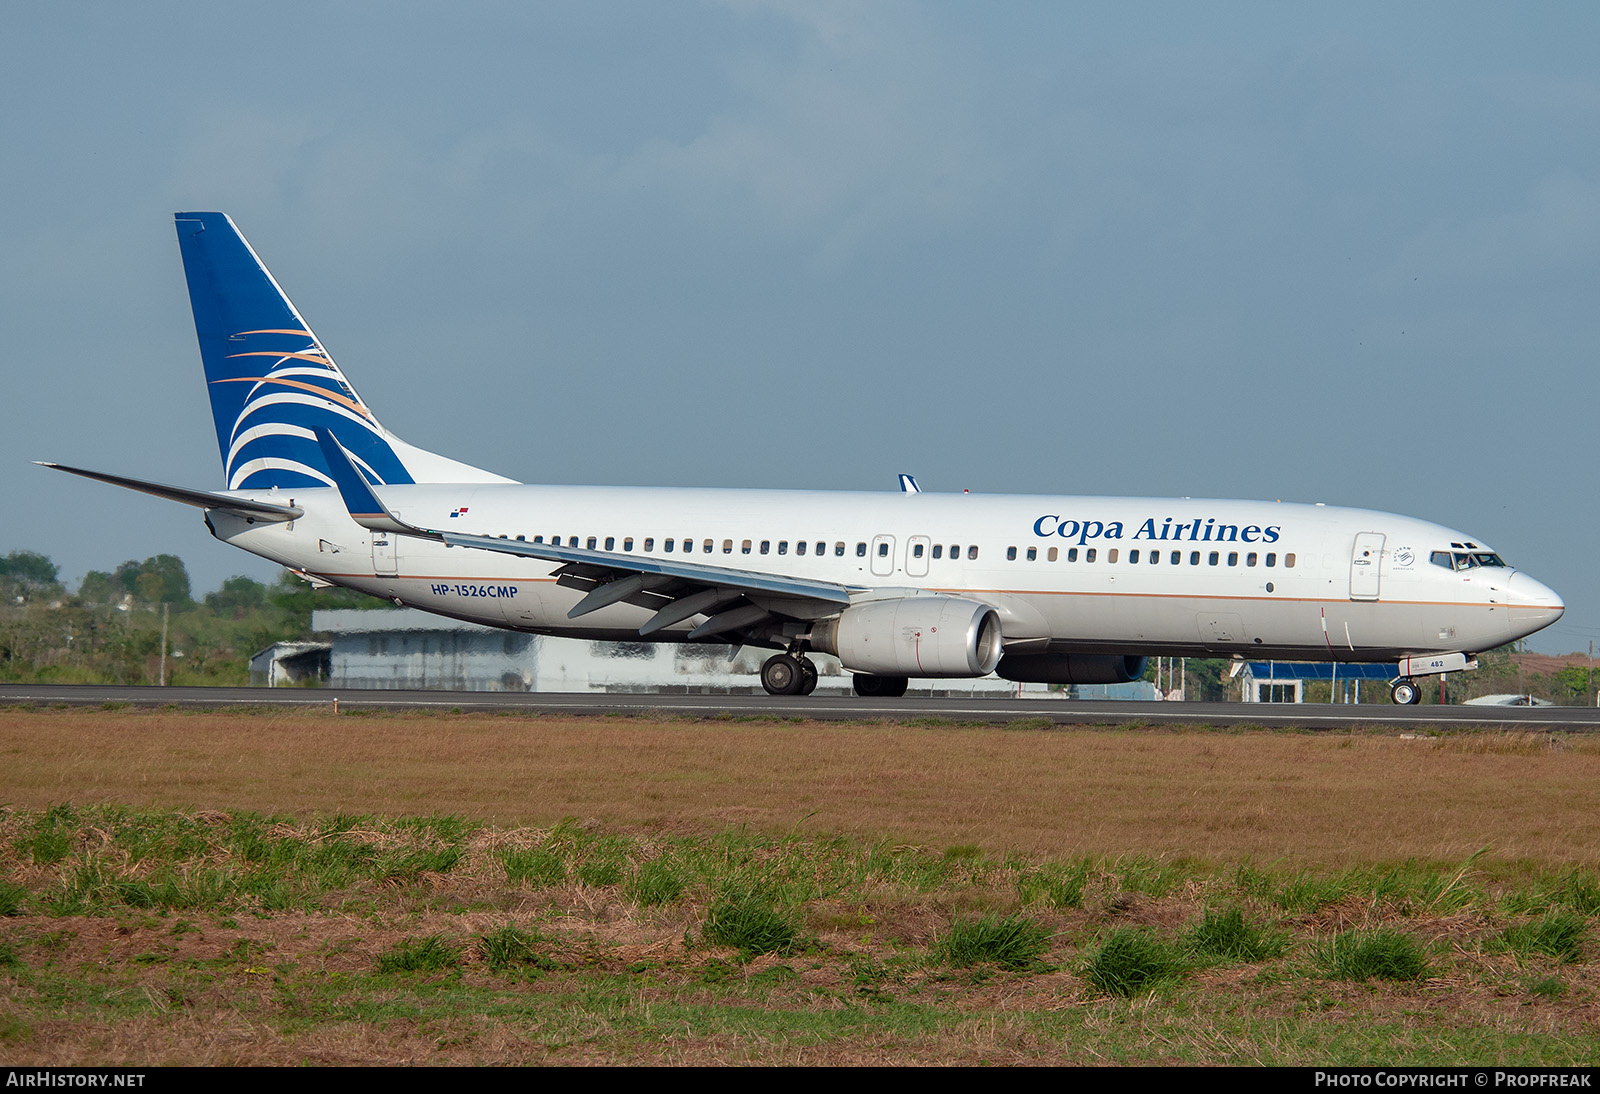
(828, 708)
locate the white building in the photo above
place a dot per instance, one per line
(408, 649)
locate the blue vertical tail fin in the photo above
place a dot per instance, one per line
(272, 384)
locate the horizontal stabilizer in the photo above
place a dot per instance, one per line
(204, 499)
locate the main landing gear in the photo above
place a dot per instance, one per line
(879, 687)
(789, 674)
(1405, 692)
(795, 674)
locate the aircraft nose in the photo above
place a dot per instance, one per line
(1533, 604)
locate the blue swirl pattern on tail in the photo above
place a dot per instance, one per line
(272, 383)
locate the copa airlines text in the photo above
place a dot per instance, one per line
(897, 585)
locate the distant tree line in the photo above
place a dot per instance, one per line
(109, 630)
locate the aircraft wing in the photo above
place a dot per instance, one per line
(204, 499)
(734, 600)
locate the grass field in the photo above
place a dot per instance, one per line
(283, 887)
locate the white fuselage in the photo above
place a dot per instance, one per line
(1067, 574)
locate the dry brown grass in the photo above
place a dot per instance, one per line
(1326, 800)
(627, 983)
(623, 974)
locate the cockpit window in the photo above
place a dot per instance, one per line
(1465, 560)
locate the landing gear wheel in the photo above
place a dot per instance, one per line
(1405, 693)
(808, 676)
(879, 687)
(782, 675)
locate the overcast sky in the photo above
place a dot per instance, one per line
(1344, 253)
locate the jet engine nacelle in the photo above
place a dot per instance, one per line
(914, 636)
(1070, 668)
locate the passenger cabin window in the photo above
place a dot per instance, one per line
(1053, 554)
(666, 545)
(1177, 557)
(572, 541)
(766, 546)
(590, 543)
(1272, 560)
(1072, 554)
(938, 550)
(744, 548)
(800, 547)
(650, 543)
(1088, 555)
(1233, 558)
(972, 552)
(883, 550)
(1011, 554)
(1133, 557)
(1288, 561)
(1111, 555)
(822, 548)
(1211, 560)
(708, 546)
(783, 546)
(1194, 558)
(838, 550)
(611, 543)
(538, 539)
(861, 551)
(1250, 559)
(727, 547)
(916, 550)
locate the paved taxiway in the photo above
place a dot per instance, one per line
(1066, 712)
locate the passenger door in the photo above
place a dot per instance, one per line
(1365, 562)
(385, 554)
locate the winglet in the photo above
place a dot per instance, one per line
(359, 499)
(908, 485)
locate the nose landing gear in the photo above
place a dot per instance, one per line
(1405, 692)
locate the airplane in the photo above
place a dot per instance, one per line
(897, 586)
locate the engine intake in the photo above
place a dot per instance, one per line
(1071, 668)
(922, 636)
